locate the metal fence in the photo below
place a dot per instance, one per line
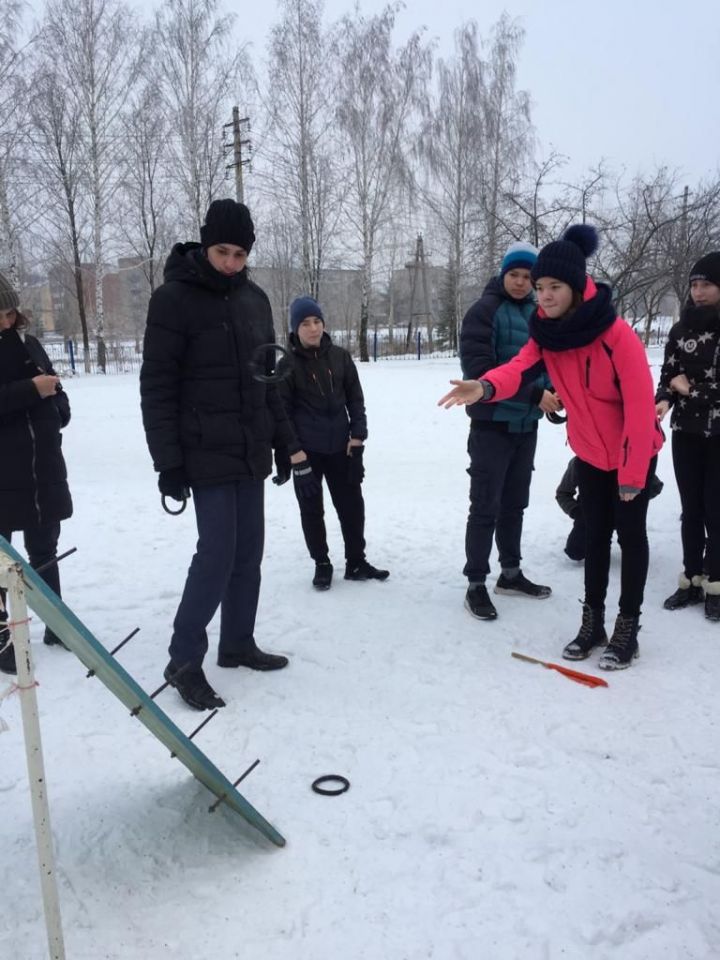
(122, 356)
(68, 357)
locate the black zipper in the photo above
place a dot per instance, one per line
(587, 372)
(33, 462)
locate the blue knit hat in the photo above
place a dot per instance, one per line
(566, 259)
(521, 255)
(301, 308)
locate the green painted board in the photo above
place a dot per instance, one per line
(76, 636)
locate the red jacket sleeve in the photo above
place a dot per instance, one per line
(508, 378)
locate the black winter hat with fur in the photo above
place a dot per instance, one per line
(707, 268)
(228, 221)
(565, 259)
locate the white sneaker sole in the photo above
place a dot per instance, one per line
(476, 616)
(614, 665)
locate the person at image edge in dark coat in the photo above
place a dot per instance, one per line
(34, 494)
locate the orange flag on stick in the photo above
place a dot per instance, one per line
(585, 678)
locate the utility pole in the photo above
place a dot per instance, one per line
(418, 265)
(239, 126)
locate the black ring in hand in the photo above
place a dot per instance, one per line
(259, 363)
(173, 513)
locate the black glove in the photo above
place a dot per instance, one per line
(306, 483)
(173, 483)
(356, 470)
(282, 465)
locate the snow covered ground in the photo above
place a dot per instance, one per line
(498, 811)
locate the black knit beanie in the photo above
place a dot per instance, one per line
(228, 221)
(566, 259)
(707, 268)
(9, 300)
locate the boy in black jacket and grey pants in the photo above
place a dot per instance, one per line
(324, 401)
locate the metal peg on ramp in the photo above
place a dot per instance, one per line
(242, 776)
(197, 729)
(91, 673)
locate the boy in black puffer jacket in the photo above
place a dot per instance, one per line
(211, 426)
(324, 401)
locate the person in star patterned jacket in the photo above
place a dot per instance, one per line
(600, 372)
(690, 385)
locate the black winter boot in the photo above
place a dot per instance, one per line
(478, 603)
(193, 687)
(712, 600)
(323, 575)
(362, 570)
(688, 593)
(622, 647)
(591, 634)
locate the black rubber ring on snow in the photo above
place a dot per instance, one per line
(330, 778)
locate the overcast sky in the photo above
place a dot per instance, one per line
(635, 81)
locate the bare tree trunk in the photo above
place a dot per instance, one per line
(8, 236)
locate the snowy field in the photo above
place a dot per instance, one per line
(498, 811)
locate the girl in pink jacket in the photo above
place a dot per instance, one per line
(600, 372)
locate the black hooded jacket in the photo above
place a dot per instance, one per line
(33, 477)
(323, 397)
(693, 348)
(202, 409)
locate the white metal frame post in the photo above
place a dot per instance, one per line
(11, 579)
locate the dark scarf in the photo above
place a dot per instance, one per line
(700, 319)
(578, 328)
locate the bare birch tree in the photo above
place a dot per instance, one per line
(148, 187)
(380, 90)
(508, 136)
(58, 124)
(13, 106)
(200, 71)
(450, 146)
(297, 155)
(94, 44)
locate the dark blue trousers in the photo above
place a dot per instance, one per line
(225, 571)
(501, 465)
